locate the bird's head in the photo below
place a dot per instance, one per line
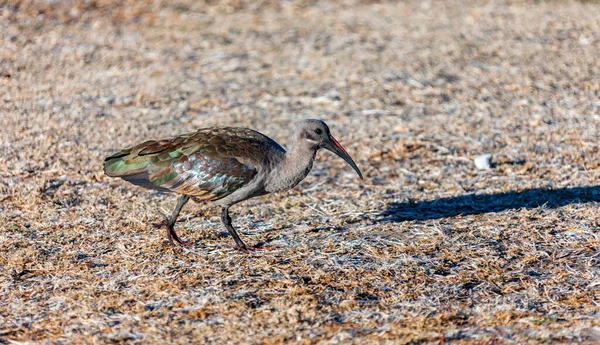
(316, 134)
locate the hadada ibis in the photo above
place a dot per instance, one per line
(224, 165)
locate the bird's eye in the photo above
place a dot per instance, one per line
(319, 131)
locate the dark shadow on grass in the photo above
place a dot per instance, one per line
(485, 203)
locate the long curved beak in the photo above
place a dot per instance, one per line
(335, 147)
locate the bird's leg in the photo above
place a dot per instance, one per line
(239, 244)
(171, 234)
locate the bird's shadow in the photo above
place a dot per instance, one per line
(474, 204)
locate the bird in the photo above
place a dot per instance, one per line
(223, 165)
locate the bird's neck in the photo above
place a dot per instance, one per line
(292, 167)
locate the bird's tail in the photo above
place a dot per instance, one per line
(131, 166)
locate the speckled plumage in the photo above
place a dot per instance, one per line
(225, 165)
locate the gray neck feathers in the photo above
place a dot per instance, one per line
(293, 167)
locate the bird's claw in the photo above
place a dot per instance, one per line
(247, 249)
(186, 244)
(172, 235)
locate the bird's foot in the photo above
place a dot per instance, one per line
(160, 224)
(172, 235)
(247, 249)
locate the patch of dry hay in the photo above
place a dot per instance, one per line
(426, 249)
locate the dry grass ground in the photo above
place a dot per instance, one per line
(427, 249)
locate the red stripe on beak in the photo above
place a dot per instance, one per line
(338, 145)
(335, 147)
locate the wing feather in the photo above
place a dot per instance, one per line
(206, 164)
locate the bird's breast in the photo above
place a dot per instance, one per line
(285, 178)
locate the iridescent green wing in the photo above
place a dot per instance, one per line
(201, 164)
